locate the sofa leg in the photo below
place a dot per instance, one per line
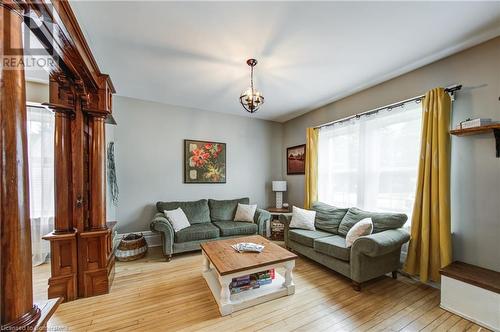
(356, 286)
(168, 258)
(394, 274)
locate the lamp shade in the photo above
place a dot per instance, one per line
(279, 185)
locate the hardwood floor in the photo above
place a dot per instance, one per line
(152, 295)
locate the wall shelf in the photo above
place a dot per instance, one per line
(495, 128)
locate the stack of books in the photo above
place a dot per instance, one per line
(252, 281)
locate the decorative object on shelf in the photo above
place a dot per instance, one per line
(296, 160)
(112, 182)
(251, 99)
(279, 187)
(204, 162)
(248, 247)
(495, 127)
(473, 123)
(131, 247)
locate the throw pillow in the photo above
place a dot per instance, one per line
(245, 212)
(328, 217)
(361, 228)
(177, 219)
(303, 219)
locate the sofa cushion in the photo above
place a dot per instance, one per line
(221, 210)
(328, 217)
(229, 228)
(196, 232)
(334, 246)
(306, 237)
(196, 211)
(381, 220)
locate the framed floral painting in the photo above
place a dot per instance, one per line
(204, 162)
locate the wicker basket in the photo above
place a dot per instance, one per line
(131, 247)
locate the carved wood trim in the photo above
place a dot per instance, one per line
(70, 49)
(97, 262)
(64, 266)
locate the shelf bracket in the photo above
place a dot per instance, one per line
(496, 132)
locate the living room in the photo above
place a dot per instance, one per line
(352, 146)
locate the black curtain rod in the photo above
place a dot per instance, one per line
(451, 90)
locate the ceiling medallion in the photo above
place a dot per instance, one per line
(251, 100)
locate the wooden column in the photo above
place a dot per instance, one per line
(63, 281)
(97, 173)
(95, 255)
(17, 309)
(63, 222)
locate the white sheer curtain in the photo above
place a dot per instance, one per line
(371, 162)
(41, 177)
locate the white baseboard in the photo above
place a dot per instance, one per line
(152, 239)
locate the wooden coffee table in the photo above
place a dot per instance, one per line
(221, 264)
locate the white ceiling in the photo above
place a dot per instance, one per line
(310, 53)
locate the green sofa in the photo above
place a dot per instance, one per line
(210, 220)
(369, 257)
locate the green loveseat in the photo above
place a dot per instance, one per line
(369, 257)
(210, 220)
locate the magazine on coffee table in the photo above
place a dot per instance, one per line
(247, 247)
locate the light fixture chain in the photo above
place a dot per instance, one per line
(251, 81)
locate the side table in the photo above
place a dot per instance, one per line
(277, 228)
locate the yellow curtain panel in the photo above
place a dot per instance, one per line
(430, 245)
(311, 185)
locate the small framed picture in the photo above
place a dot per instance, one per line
(204, 162)
(296, 160)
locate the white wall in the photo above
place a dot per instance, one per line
(475, 172)
(149, 157)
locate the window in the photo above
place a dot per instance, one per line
(40, 129)
(371, 162)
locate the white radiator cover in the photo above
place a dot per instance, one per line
(471, 302)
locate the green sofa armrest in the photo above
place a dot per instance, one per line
(286, 221)
(161, 225)
(262, 218)
(382, 243)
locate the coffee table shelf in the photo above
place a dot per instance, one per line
(219, 277)
(245, 299)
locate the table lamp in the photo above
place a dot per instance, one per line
(279, 187)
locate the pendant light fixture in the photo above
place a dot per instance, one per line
(251, 100)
